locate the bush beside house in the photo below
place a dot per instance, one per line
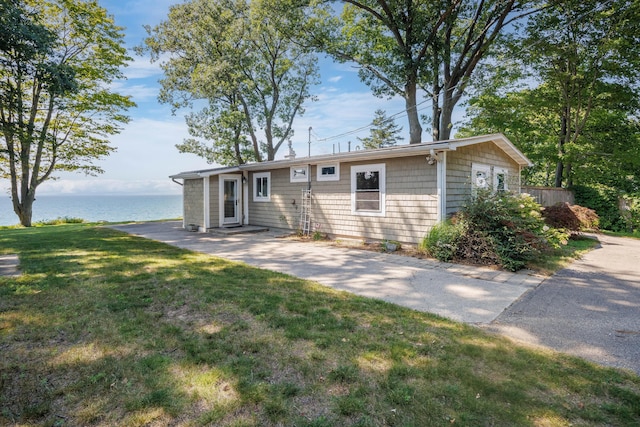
(495, 228)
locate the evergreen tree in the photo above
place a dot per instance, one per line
(384, 133)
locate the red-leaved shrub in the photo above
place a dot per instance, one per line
(571, 217)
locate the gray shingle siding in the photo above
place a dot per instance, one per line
(193, 202)
(411, 202)
(459, 165)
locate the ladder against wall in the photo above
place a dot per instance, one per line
(305, 213)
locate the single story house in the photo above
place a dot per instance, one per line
(396, 193)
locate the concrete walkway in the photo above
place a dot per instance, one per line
(462, 293)
(9, 265)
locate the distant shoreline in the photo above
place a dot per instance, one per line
(96, 208)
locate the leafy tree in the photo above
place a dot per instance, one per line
(578, 116)
(402, 47)
(234, 55)
(57, 60)
(384, 133)
(586, 52)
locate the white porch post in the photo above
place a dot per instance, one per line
(184, 204)
(245, 198)
(205, 198)
(441, 182)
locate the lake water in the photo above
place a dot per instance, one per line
(97, 208)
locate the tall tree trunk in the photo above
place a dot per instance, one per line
(435, 100)
(445, 118)
(411, 104)
(559, 172)
(561, 148)
(435, 116)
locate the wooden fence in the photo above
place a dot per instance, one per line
(549, 196)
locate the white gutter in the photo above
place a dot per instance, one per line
(441, 184)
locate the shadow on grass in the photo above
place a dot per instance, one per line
(106, 328)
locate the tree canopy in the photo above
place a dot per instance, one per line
(574, 106)
(57, 59)
(236, 57)
(418, 47)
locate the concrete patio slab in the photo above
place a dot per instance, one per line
(425, 285)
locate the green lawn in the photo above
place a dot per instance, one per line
(104, 328)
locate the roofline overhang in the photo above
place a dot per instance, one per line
(205, 173)
(424, 148)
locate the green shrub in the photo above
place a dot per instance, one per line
(512, 223)
(442, 240)
(495, 228)
(603, 200)
(631, 214)
(61, 220)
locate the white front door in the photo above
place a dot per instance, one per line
(231, 201)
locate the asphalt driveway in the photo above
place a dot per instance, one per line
(590, 309)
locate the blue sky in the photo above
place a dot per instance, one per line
(146, 152)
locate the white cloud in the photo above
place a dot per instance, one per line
(139, 93)
(145, 157)
(334, 79)
(101, 186)
(141, 67)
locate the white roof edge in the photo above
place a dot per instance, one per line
(500, 140)
(382, 153)
(205, 173)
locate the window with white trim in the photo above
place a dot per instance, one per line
(500, 181)
(299, 174)
(328, 172)
(480, 177)
(368, 184)
(262, 187)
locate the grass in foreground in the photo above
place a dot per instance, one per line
(105, 328)
(560, 258)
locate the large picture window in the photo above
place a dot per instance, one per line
(368, 190)
(262, 187)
